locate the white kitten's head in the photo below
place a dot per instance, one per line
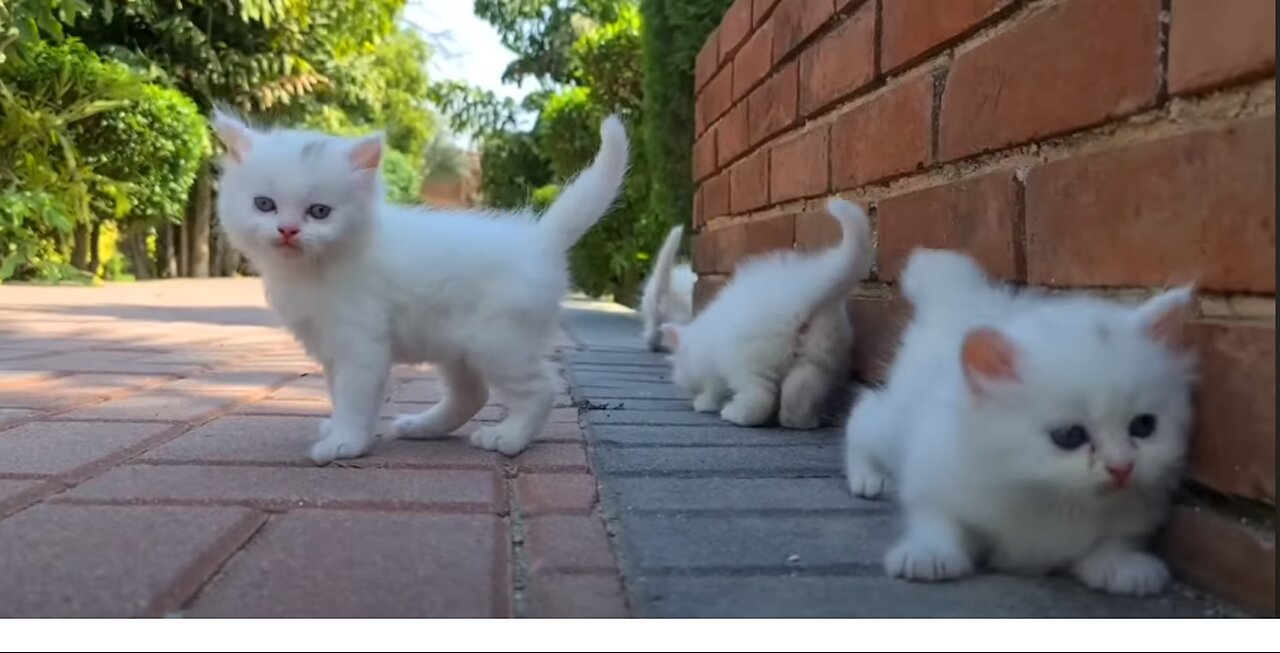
(1082, 395)
(288, 196)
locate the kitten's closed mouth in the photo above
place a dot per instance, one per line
(288, 246)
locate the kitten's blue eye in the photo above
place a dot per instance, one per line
(264, 204)
(1142, 426)
(318, 211)
(1069, 437)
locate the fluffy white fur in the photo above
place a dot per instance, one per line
(963, 428)
(370, 284)
(668, 293)
(776, 338)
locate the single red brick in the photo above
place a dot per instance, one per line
(1234, 448)
(704, 155)
(153, 406)
(794, 22)
(577, 596)
(772, 107)
(292, 487)
(568, 543)
(58, 447)
(840, 63)
(715, 196)
(714, 100)
(553, 457)
(878, 324)
(799, 166)
(556, 493)
(365, 564)
(864, 151)
(561, 433)
(749, 183)
(706, 290)
(769, 235)
(1196, 205)
(734, 27)
(112, 561)
(563, 416)
(760, 9)
(1071, 65)
(1219, 554)
(978, 216)
(1212, 43)
(733, 136)
(753, 61)
(913, 28)
(708, 60)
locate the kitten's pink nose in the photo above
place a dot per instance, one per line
(1120, 473)
(288, 233)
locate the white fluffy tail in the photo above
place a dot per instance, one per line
(586, 198)
(937, 276)
(665, 261)
(849, 262)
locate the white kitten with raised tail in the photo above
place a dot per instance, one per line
(776, 339)
(668, 293)
(1027, 432)
(364, 284)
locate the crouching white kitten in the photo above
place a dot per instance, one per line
(364, 284)
(668, 293)
(1028, 432)
(776, 339)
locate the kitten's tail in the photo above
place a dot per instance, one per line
(936, 276)
(586, 198)
(657, 290)
(849, 262)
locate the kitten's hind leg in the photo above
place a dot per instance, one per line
(866, 436)
(804, 392)
(526, 389)
(710, 397)
(357, 382)
(465, 394)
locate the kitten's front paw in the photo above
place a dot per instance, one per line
(706, 403)
(744, 413)
(500, 438)
(867, 483)
(1133, 573)
(927, 561)
(416, 427)
(333, 447)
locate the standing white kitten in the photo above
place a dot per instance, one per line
(777, 337)
(668, 293)
(364, 284)
(1033, 433)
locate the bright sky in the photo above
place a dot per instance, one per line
(465, 47)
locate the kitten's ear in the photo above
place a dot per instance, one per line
(367, 153)
(988, 357)
(1164, 317)
(670, 337)
(235, 135)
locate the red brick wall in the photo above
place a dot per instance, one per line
(1115, 145)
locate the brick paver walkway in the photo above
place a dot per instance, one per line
(152, 462)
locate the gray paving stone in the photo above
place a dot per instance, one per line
(744, 494)
(821, 460)
(724, 435)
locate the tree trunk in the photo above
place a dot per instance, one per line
(95, 252)
(80, 248)
(199, 221)
(168, 252)
(136, 249)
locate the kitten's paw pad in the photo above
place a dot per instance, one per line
(502, 440)
(926, 561)
(333, 448)
(706, 404)
(1132, 573)
(868, 483)
(743, 414)
(415, 427)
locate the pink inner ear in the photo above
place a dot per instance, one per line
(233, 137)
(989, 356)
(367, 154)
